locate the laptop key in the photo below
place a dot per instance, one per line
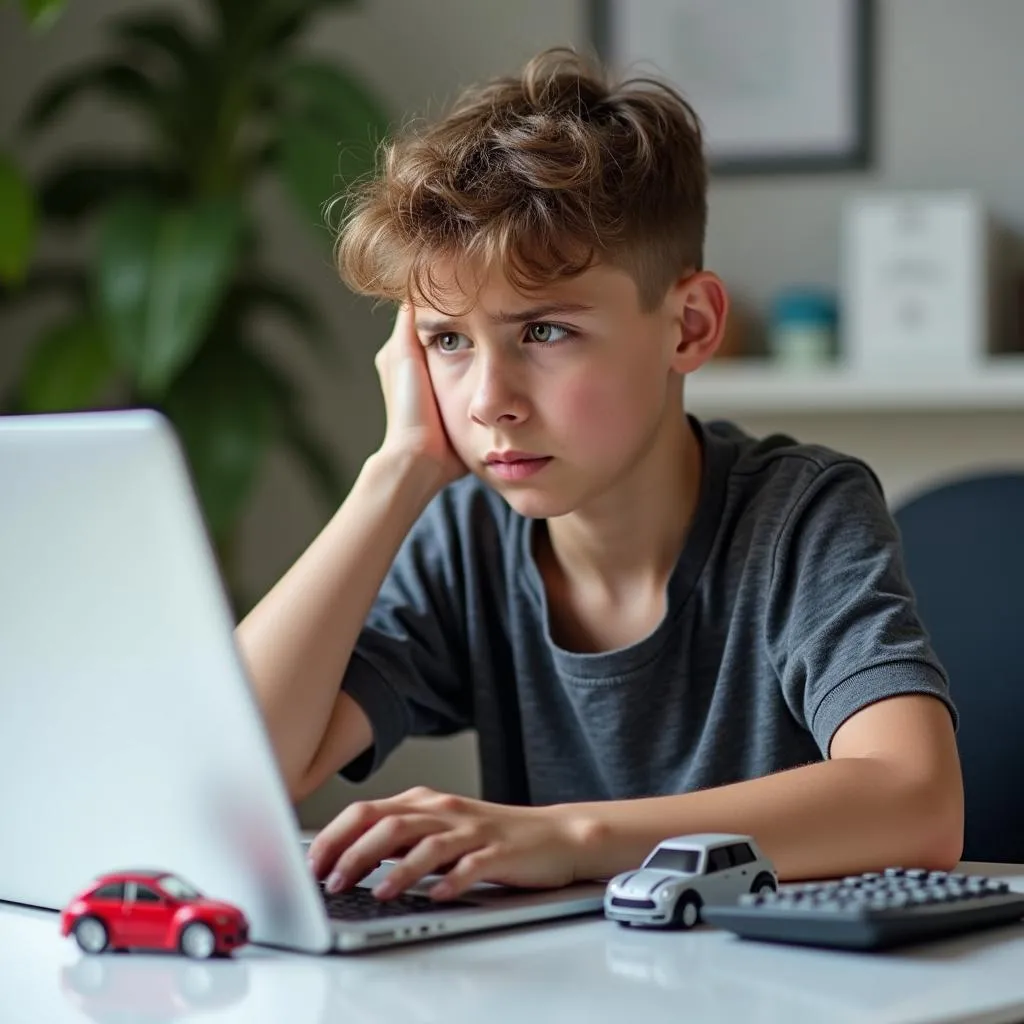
(361, 905)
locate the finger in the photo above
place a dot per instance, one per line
(403, 333)
(337, 836)
(478, 866)
(404, 340)
(427, 857)
(408, 400)
(402, 367)
(386, 838)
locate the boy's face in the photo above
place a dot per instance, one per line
(571, 383)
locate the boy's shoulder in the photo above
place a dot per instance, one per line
(779, 463)
(776, 452)
(780, 488)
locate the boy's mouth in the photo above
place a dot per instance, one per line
(515, 465)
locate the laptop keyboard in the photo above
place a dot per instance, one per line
(361, 905)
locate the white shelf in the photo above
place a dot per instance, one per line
(757, 386)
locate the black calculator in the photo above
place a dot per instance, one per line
(873, 910)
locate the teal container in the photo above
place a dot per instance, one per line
(803, 330)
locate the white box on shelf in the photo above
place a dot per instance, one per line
(915, 282)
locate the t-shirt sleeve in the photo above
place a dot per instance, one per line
(842, 626)
(407, 670)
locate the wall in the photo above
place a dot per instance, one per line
(949, 81)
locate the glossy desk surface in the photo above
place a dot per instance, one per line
(588, 970)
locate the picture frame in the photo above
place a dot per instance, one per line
(779, 87)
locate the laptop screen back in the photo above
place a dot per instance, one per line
(129, 736)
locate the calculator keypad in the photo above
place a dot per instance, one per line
(873, 893)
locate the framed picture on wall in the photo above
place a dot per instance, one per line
(782, 85)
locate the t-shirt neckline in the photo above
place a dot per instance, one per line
(610, 666)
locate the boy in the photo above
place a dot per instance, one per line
(656, 626)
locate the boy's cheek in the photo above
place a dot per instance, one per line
(596, 419)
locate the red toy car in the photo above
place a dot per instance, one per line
(152, 910)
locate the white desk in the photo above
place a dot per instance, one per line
(590, 970)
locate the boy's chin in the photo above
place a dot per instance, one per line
(536, 503)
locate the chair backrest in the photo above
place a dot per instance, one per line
(964, 547)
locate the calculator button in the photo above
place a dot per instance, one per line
(830, 905)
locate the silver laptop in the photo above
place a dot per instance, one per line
(129, 736)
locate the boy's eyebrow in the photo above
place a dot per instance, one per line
(520, 316)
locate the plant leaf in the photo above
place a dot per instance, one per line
(160, 275)
(309, 165)
(330, 129)
(42, 13)
(164, 33)
(298, 436)
(227, 417)
(268, 25)
(257, 295)
(116, 79)
(17, 223)
(80, 185)
(70, 368)
(295, 432)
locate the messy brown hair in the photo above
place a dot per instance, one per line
(544, 174)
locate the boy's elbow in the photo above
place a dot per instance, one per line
(944, 847)
(936, 840)
(299, 788)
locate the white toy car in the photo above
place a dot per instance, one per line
(682, 874)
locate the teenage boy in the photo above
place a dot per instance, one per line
(656, 626)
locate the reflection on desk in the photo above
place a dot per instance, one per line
(151, 989)
(814, 985)
(587, 970)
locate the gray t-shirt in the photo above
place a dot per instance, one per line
(787, 612)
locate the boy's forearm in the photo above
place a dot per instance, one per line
(296, 643)
(830, 819)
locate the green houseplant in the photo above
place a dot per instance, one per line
(161, 310)
(39, 13)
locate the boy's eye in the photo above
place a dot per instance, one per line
(546, 334)
(450, 342)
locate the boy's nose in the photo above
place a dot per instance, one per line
(496, 399)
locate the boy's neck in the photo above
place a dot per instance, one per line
(631, 539)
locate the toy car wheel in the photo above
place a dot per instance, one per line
(198, 941)
(687, 912)
(763, 883)
(91, 935)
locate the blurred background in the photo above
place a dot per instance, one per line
(132, 150)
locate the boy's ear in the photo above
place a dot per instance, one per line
(699, 308)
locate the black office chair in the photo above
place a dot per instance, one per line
(964, 545)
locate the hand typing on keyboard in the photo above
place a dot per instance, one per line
(466, 841)
(361, 905)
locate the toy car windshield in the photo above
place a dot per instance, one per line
(177, 888)
(686, 861)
